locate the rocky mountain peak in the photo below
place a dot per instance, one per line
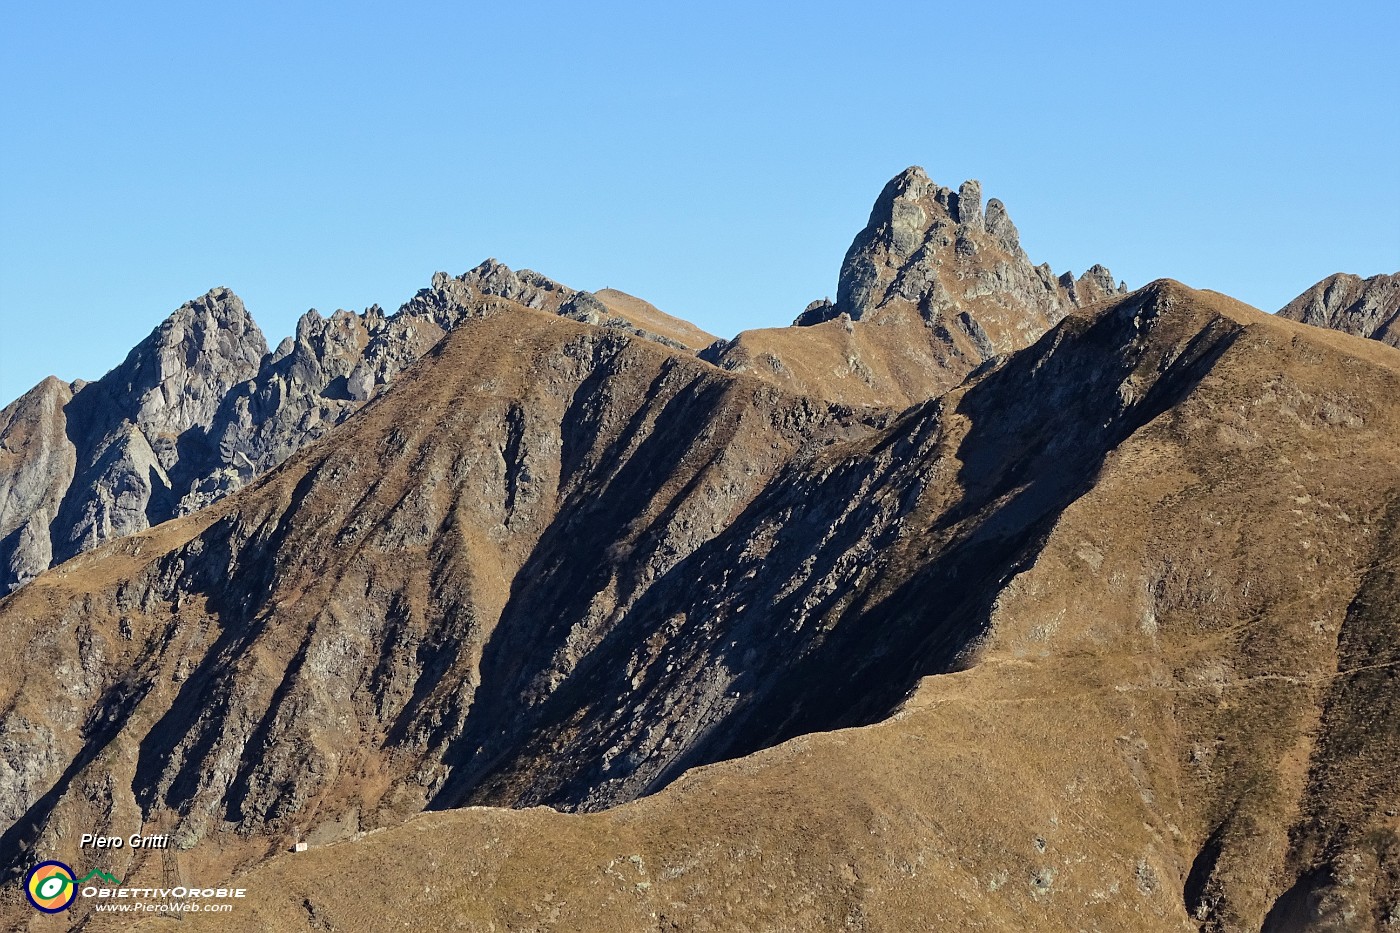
(933, 287)
(910, 209)
(1348, 303)
(968, 205)
(1094, 285)
(108, 458)
(934, 248)
(525, 287)
(200, 407)
(176, 378)
(1001, 229)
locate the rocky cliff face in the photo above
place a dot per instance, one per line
(111, 457)
(1353, 305)
(201, 407)
(933, 249)
(932, 288)
(37, 462)
(1107, 628)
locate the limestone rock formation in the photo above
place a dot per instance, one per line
(37, 461)
(933, 287)
(1353, 305)
(110, 458)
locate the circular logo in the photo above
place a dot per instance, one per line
(50, 887)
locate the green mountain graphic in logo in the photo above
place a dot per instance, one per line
(98, 873)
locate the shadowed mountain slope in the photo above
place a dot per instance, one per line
(223, 664)
(1109, 623)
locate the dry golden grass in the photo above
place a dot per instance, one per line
(648, 317)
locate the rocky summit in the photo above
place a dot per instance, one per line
(1353, 305)
(560, 614)
(932, 288)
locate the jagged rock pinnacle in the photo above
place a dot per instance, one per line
(969, 204)
(933, 248)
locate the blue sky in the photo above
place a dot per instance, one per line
(715, 160)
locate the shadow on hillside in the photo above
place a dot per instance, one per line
(754, 662)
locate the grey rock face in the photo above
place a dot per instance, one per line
(127, 475)
(197, 409)
(525, 287)
(1000, 227)
(816, 312)
(930, 290)
(176, 378)
(1353, 305)
(931, 248)
(334, 365)
(1094, 285)
(314, 381)
(200, 408)
(969, 205)
(105, 460)
(37, 461)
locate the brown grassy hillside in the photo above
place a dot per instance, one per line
(1102, 639)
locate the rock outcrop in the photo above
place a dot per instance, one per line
(932, 288)
(37, 461)
(1352, 305)
(111, 457)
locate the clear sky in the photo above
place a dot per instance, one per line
(715, 160)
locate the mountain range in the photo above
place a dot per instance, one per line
(979, 597)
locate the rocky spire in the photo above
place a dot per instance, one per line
(968, 206)
(90, 461)
(175, 379)
(932, 288)
(141, 429)
(1001, 229)
(928, 247)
